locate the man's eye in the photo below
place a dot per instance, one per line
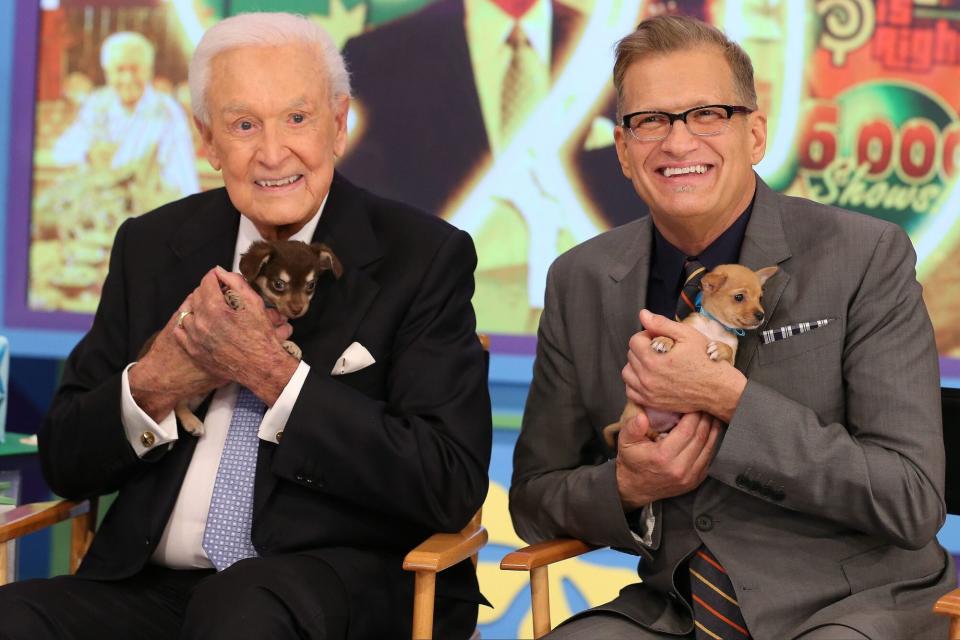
(246, 125)
(709, 115)
(278, 285)
(738, 297)
(298, 118)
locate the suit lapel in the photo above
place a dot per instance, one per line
(625, 292)
(764, 245)
(566, 28)
(207, 239)
(338, 306)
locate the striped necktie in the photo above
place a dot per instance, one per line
(226, 538)
(716, 612)
(687, 302)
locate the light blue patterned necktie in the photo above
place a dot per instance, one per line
(226, 538)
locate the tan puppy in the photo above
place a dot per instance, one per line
(729, 305)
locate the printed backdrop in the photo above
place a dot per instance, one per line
(862, 99)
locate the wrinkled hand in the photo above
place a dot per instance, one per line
(242, 345)
(670, 466)
(684, 379)
(166, 374)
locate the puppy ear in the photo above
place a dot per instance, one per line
(328, 260)
(253, 260)
(713, 281)
(765, 274)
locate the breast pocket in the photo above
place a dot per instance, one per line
(369, 380)
(800, 344)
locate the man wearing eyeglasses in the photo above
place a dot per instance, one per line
(801, 493)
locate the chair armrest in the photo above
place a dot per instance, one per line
(443, 550)
(543, 554)
(948, 604)
(29, 518)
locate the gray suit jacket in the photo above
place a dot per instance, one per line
(826, 493)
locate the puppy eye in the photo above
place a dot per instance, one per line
(311, 286)
(738, 297)
(278, 284)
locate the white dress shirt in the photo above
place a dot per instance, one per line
(180, 547)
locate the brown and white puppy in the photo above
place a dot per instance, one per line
(730, 303)
(285, 274)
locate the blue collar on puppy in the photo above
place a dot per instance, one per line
(709, 316)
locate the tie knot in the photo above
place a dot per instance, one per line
(687, 302)
(517, 37)
(692, 269)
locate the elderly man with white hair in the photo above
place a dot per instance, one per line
(128, 121)
(290, 516)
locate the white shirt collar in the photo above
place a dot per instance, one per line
(248, 233)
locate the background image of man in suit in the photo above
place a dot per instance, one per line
(813, 470)
(352, 470)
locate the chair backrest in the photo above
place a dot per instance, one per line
(950, 403)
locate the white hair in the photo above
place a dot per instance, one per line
(263, 30)
(117, 44)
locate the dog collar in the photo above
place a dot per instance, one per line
(709, 316)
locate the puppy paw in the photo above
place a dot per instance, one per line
(719, 351)
(293, 349)
(233, 299)
(662, 344)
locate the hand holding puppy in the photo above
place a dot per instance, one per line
(650, 470)
(242, 345)
(684, 379)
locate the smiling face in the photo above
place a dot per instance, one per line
(274, 132)
(691, 183)
(128, 72)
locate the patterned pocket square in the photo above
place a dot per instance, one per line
(773, 335)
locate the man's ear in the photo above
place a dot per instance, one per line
(253, 260)
(712, 281)
(341, 107)
(206, 136)
(758, 136)
(620, 142)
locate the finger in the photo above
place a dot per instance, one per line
(660, 325)
(682, 441)
(283, 331)
(276, 318)
(634, 431)
(702, 462)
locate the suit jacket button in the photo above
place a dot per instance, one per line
(703, 523)
(147, 439)
(279, 435)
(299, 477)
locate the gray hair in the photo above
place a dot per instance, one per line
(263, 30)
(117, 43)
(666, 34)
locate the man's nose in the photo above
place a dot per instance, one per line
(679, 139)
(273, 148)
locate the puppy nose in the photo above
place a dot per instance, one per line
(295, 309)
(758, 315)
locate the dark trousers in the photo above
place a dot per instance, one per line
(282, 597)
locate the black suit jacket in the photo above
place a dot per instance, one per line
(371, 462)
(423, 135)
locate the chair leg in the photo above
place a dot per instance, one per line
(424, 589)
(4, 562)
(81, 534)
(540, 600)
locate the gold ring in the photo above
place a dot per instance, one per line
(183, 314)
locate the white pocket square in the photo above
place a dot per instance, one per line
(356, 357)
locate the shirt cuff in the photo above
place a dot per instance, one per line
(642, 527)
(275, 419)
(143, 434)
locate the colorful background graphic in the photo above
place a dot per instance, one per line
(862, 102)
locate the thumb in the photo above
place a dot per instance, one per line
(658, 325)
(635, 429)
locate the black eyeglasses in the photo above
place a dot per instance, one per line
(707, 120)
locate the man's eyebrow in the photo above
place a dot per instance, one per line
(243, 107)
